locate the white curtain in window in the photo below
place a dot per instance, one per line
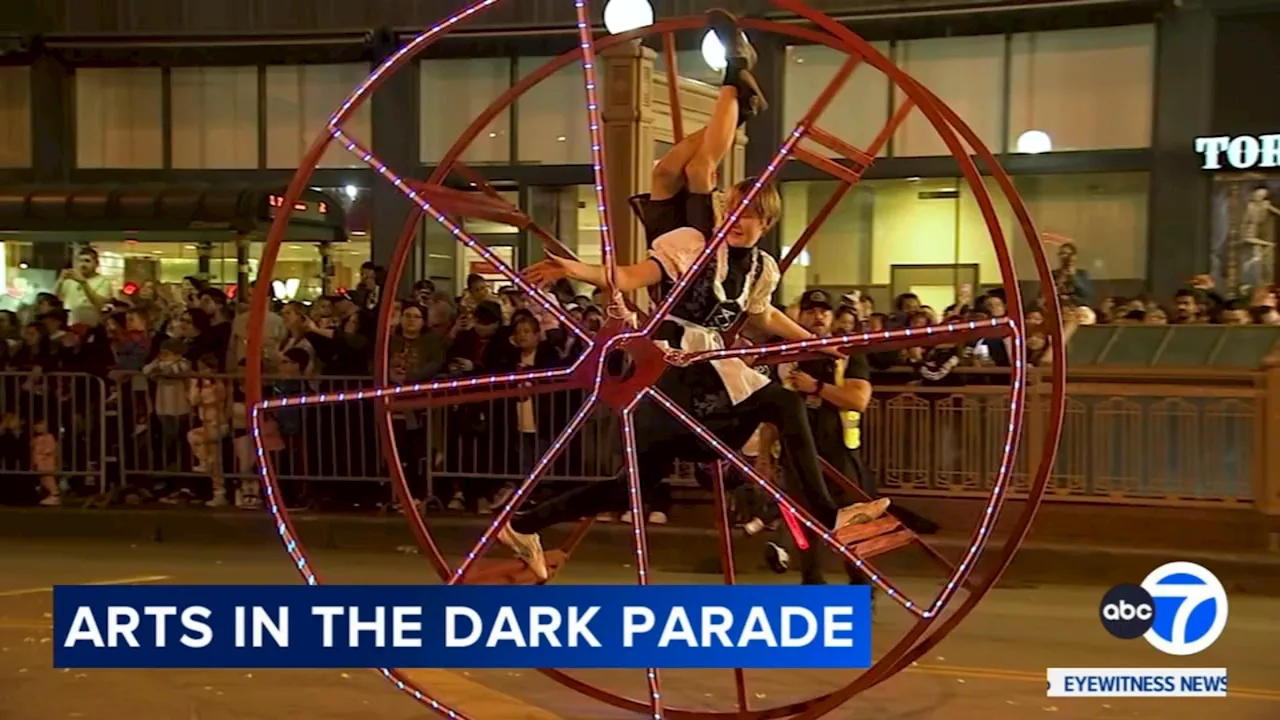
(15, 116)
(551, 119)
(967, 73)
(1104, 214)
(453, 93)
(215, 117)
(856, 114)
(1087, 89)
(300, 101)
(119, 118)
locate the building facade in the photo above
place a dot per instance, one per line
(1095, 108)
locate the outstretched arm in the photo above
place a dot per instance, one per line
(627, 277)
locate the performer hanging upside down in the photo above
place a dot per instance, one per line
(726, 396)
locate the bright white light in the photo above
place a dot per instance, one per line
(1033, 142)
(624, 15)
(802, 261)
(713, 52)
(352, 191)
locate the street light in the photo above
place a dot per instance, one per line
(625, 15)
(713, 52)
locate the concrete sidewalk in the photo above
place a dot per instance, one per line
(1042, 560)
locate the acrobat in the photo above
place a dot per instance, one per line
(728, 397)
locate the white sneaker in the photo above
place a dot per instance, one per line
(249, 502)
(484, 507)
(457, 502)
(625, 517)
(860, 513)
(503, 496)
(528, 548)
(52, 501)
(604, 518)
(657, 518)
(219, 500)
(753, 526)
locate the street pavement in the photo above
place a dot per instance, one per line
(991, 668)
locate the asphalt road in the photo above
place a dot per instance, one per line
(992, 668)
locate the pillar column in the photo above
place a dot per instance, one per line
(53, 138)
(1178, 244)
(395, 115)
(627, 112)
(765, 131)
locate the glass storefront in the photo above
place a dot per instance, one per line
(1072, 90)
(883, 224)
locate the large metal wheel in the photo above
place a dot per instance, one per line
(858, 545)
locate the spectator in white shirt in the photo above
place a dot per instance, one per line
(83, 290)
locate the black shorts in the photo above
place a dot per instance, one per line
(684, 209)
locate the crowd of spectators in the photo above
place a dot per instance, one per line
(172, 360)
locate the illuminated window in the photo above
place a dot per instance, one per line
(883, 223)
(967, 73)
(1103, 214)
(15, 116)
(551, 119)
(215, 117)
(300, 101)
(453, 93)
(118, 118)
(859, 110)
(1086, 89)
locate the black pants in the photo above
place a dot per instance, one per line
(661, 440)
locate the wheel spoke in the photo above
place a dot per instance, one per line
(522, 492)
(417, 388)
(473, 395)
(407, 188)
(524, 221)
(594, 123)
(673, 86)
(713, 245)
(784, 502)
(872, 341)
(641, 542)
(727, 567)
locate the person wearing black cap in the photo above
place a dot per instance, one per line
(836, 392)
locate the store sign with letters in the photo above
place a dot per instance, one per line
(1243, 152)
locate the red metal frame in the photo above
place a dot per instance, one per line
(444, 205)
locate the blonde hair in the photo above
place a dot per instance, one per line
(766, 205)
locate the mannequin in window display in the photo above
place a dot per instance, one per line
(1257, 233)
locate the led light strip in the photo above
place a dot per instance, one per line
(597, 144)
(328, 398)
(368, 158)
(853, 340)
(641, 542)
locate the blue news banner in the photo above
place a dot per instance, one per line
(562, 626)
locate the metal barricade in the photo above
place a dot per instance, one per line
(174, 431)
(1121, 442)
(480, 446)
(53, 432)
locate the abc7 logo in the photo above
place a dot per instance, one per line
(1180, 608)
(1128, 611)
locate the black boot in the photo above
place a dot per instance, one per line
(740, 57)
(738, 50)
